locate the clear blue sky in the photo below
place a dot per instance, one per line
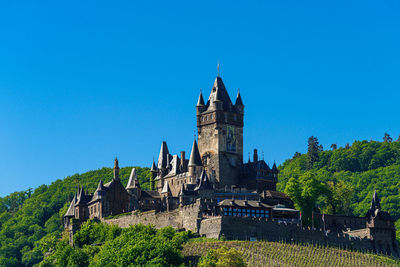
(84, 81)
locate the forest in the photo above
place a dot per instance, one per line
(340, 180)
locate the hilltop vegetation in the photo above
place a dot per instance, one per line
(340, 180)
(28, 219)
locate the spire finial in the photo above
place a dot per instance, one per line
(218, 68)
(263, 154)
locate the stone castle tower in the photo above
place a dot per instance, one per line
(220, 135)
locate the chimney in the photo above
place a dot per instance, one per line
(182, 160)
(255, 156)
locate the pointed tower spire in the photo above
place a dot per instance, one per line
(375, 203)
(116, 169)
(219, 93)
(162, 158)
(133, 181)
(100, 186)
(238, 101)
(153, 167)
(195, 159)
(274, 168)
(200, 102)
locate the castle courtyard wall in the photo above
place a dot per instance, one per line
(185, 217)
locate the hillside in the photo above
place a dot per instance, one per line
(262, 253)
(27, 217)
(346, 177)
(342, 179)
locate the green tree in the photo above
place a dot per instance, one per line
(387, 138)
(222, 257)
(338, 197)
(313, 151)
(305, 192)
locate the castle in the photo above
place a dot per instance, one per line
(215, 193)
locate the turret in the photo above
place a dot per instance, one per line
(163, 159)
(116, 169)
(153, 171)
(133, 186)
(200, 107)
(194, 162)
(239, 103)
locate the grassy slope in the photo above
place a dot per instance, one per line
(261, 253)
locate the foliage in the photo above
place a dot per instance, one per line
(349, 177)
(104, 245)
(222, 257)
(262, 253)
(29, 221)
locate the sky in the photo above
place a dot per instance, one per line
(84, 81)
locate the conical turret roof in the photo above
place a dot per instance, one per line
(200, 102)
(153, 167)
(133, 181)
(238, 101)
(274, 168)
(163, 157)
(195, 159)
(375, 203)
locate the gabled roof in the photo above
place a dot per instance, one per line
(166, 188)
(219, 93)
(204, 182)
(195, 159)
(238, 101)
(71, 210)
(133, 181)
(200, 102)
(100, 186)
(150, 194)
(163, 157)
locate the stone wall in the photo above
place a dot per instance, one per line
(185, 217)
(239, 228)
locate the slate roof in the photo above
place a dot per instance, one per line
(133, 181)
(71, 210)
(219, 93)
(200, 102)
(204, 182)
(150, 194)
(238, 101)
(163, 157)
(166, 188)
(275, 194)
(243, 203)
(195, 159)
